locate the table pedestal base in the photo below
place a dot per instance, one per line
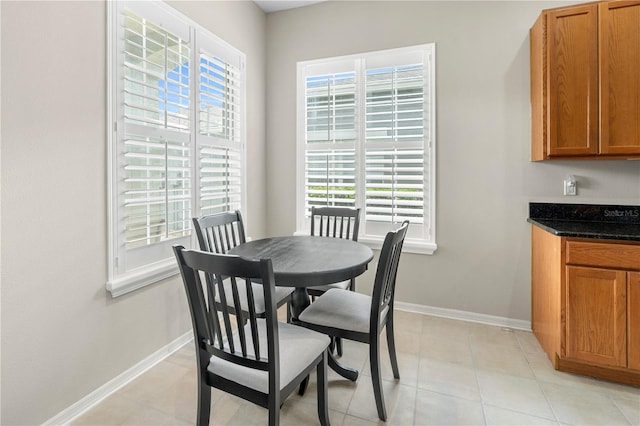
(299, 302)
(346, 372)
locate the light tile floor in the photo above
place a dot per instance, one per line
(451, 373)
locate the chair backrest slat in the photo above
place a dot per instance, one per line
(239, 318)
(336, 222)
(199, 300)
(385, 280)
(217, 327)
(224, 308)
(219, 233)
(241, 341)
(230, 237)
(253, 323)
(348, 230)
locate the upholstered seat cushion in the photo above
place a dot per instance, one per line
(343, 285)
(342, 309)
(258, 295)
(298, 348)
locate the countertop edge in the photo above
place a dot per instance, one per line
(600, 235)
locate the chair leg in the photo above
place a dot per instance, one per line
(274, 409)
(303, 386)
(204, 403)
(323, 394)
(376, 377)
(352, 287)
(391, 343)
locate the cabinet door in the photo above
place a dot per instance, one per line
(573, 81)
(596, 322)
(619, 24)
(633, 316)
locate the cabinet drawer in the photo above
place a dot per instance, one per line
(618, 256)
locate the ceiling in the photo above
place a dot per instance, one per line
(276, 5)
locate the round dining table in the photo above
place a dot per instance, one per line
(307, 261)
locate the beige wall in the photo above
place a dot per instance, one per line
(63, 336)
(484, 178)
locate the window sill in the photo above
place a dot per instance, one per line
(142, 277)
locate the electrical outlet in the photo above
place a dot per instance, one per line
(570, 186)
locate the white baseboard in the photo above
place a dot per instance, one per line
(465, 316)
(71, 413)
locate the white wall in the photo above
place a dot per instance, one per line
(484, 178)
(63, 336)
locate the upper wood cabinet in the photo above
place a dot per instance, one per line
(619, 41)
(585, 89)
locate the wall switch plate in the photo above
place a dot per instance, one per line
(570, 186)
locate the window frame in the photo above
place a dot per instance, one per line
(121, 280)
(426, 244)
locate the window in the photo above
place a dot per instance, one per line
(366, 138)
(177, 137)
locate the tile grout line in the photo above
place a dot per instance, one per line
(415, 394)
(544, 394)
(475, 374)
(613, 401)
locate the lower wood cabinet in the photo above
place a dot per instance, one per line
(596, 315)
(586, 305)
(633, 320)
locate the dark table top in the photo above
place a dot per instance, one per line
(303, 261)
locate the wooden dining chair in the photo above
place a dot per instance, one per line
(359, 317)
(335, 222)
(219, 233)
(260, 360)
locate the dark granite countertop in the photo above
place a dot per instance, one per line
(610, 222)
(599, 230)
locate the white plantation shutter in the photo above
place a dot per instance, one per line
(395, 104)
(220, 180)
(394, 185)
(177, 148)
(219, 130)
(330, 178)
(330, 134)
(156, 75)
(219, 98)
(157, 190)
(156, 197)
(394, 145)
(366, 132)
(331, 109)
